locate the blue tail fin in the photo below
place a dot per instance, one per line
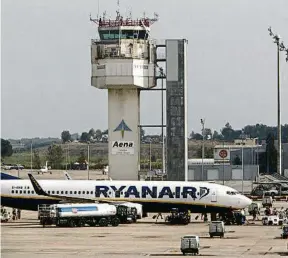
(5, 176)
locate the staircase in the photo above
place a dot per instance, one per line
(276, 177)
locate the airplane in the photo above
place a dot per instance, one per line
(44, 169)
(155, 196)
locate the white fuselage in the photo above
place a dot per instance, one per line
(155, 196)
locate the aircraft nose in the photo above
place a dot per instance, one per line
(246, 201)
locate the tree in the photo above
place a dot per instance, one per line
(98, 135)
(217, 136)
(237, 161)
(142, 133)
(82, 158)
(197, 136)
(207, 133)
(65, 136)
(84, 137)
(228, 132)
(55, 155)
(6, 148)
(36, 159)
(208, 153)
(91, 133)
(192, 134)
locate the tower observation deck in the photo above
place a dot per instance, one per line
(123, 62)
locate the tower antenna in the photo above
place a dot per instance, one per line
(98, 9)
(118, 10)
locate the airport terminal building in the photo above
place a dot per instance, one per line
(223, 165)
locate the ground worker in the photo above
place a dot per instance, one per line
(159, 215)
(14, 214)
(18, 214)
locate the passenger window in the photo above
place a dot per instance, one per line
(16, 191)
(24, 192)
(75, 192)
(20, 191)
(12, 191)
(91, 192)
(32, 192)
(79, 192)
(28, 192)
(62, 192)
(48, 192)
(57, 192)
(53, 192)
(83, 192)
(71, 192)
(66, 192)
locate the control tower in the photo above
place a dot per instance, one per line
(123, 62)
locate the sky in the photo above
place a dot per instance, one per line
(231, 63)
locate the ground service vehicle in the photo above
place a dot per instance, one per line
(216, 228)
(253, 206)
(284, 234)
(233, 218)
(126, 214)
(137, 206)
(190, 244)
(270, 220)
(267, 201)
(177, 217)
(73, 215)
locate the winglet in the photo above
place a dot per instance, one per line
(38, 189)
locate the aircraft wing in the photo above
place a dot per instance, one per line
(39, 190)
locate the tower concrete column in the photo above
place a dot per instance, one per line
(124, 132)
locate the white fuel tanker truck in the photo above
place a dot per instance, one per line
(72, 215)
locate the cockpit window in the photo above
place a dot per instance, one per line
(231, 192)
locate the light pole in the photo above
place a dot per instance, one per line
(150, 165)
(88, 150)
(242, 154)
(203, 135)
(280, 47)
(31, 162)
(223, 164)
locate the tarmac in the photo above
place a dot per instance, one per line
(27, 238)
